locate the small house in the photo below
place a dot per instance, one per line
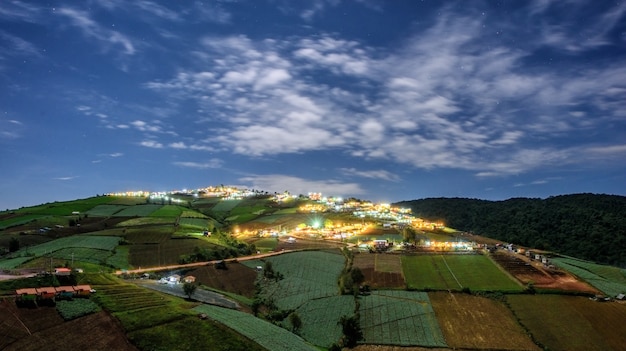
(291, 240)
(62, 271)
(65, 292)
(173, 279)
(82, 290)
(189, 279)
(28, 294)
(46, 293)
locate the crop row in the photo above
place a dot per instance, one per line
(587, 271)
(400, 319)
(264, 333)
(107, 243)
(320, 318)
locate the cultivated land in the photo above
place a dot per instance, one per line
(419, 300)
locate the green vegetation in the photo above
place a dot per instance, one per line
(67, 207)
(307, 275)
(586, 226)
(18, 220)
(400, 318)
(138, 210)
(455, 272)
(106, 243)
(319, 319)
(610, 280)
(105, 210)
(168, 211)
(269, 336)
(76, 308)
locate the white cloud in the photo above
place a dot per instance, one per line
(373, 174)
(295, 185)
(212, 163)
(444, 99)
(151, 144)
(92, 29)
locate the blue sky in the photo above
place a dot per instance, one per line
(381, 100)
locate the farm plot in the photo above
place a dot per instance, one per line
(472, 322)
(320, 319)
(144, 210)
(80, 254)
(380, 270)
(197, 223)
(400, 318)
(268, 335)
(119, 297)
(106, 210)
(307, 275)
(165, 253)
(526, 272)
(66, 208)
(148, 235)
(237, 278)
(143, 221)
(609, 280)
(18, 220)
(192, 214)
(455, 272)
(168, 211)
(570, 322)
(13, 262)
(225, 205)
(106, 243)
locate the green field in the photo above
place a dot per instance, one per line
(105, 243)
(67, 207)
(403, 318)
(610, 280)
(320, 319)
(455, 272)
(266, 334)
(106, 210)
(18, 220)
(12, 263)
(225, 205)
(196, 223)
(138, 211)
(307, 275)
(168, 211)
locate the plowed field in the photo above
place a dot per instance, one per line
(237, 279)
(380, 270)
(42, 328)
(531, 272)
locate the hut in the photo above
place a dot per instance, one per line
(65, 292)
(82, 290)
(46, 293)
(26, 295)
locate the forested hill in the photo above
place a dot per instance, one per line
(586, 226)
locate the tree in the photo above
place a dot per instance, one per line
(352, 332)
(296, 322)
(408, 233)
(357, 276)
(189, 289)
(14, 244)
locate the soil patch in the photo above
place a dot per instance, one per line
(237, 278)
(42, 328)
(380, 270)
(527, 271)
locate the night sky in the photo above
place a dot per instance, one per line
(380, 100)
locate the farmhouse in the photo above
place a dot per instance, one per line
(47, 292)
(62, 271)
(82, 290)
(65, 292)
(189, 279)
(28, 294)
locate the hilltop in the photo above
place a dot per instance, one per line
(294, 272)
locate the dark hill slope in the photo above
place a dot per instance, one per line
(586, 226)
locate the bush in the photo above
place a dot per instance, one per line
(76, 308)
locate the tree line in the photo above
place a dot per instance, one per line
(586, 226)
